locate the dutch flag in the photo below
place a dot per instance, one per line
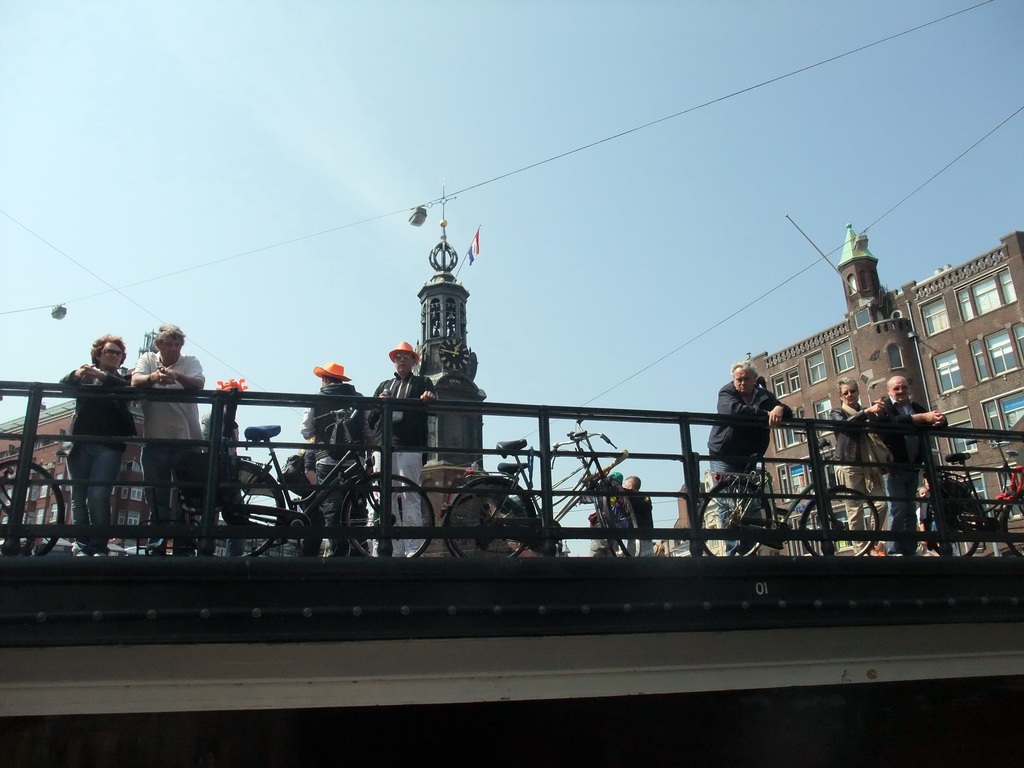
(474, 247)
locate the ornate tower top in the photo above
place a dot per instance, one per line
(444, 258)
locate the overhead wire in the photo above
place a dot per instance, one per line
(789, 279)
(523, 169)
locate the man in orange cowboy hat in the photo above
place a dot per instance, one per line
(317, 423)
(409, 430)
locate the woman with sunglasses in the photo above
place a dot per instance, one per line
(98, 463)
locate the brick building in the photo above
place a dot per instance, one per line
(957, 336)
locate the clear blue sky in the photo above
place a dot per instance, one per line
(140, 139)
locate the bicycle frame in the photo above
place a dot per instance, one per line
(350, 470)
(516, 480)
(1013, 483)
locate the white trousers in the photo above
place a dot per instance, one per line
(404, 506)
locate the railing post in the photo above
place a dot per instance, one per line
(207, 543)
(385, 544)
(16, 515)
(549, 542)
(821, 497)
(691, 481)
(935, 497)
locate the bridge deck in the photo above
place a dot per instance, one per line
(149, 634)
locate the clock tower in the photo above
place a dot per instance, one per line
(445, 356)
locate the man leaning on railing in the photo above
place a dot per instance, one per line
(908, 449)
(167, 368)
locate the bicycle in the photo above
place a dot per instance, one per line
(360, 505)
(40, 485)
(1011, 478)
(504, 515)
(966, 511)
(749, 499)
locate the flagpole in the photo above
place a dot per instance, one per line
(472, 243)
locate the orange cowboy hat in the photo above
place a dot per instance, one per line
(404, 347)
(331, 371)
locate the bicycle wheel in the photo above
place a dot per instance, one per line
(44, 505)
(734, 502)
(490, 506)
(838, 521)
(964, 513)
(263, 503)
(362, 507)
(619, 520)
(1004, 513)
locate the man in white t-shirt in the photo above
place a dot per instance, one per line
(167, 368)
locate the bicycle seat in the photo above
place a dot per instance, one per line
(957, 458)
(508, 468)
(511, 446)
(262, 434)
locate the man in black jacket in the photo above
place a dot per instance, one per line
(317, 423)
(901, 484)
(737, 447)
(408, 430)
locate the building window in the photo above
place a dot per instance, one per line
(1005, 412)
(793, 377)
(53, 514)
(784, 487)
(947, 371)
(787, 437)
(961, 418)
(895, 355)
(136, 494)
(996, 354)
(842, 356)
(816, 368)
(986, 295)
(863, 317)
(124, 491)
(784, 383)
(851, 282)
(784, 438)
(935, 317)
(1000, 352)
(798, 477)
(821, 408)
(980, 361)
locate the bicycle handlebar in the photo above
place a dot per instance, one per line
(575, 438)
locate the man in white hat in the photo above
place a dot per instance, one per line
(408, 430)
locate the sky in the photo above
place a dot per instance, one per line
(245, 170)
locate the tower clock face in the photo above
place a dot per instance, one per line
(454, 354)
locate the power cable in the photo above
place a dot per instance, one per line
(519, 170)
(767, 293)
(119, 291)
(719, 99)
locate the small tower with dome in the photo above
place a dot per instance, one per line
(447, 358)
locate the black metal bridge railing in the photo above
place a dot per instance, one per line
(678, 468)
